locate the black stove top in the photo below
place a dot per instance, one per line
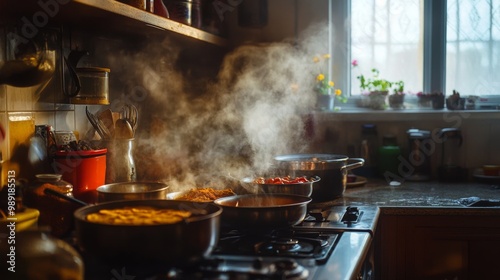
(301, 252)
(277, 243)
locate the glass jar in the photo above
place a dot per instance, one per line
(55, 212)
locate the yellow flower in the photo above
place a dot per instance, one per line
(326, 56)
(331, 83)
(338, 92)
(320, 77)
(316, 59)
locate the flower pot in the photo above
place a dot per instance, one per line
(424, 101)
(324, 102)
(378, 100)
(396, 101)
(437, 102)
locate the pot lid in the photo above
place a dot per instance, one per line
(311, 157)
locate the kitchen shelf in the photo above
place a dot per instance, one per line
(110, 16)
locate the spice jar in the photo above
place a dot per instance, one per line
(55, 212)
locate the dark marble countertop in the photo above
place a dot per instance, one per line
(420, 195)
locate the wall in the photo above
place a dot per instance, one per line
(335, 132)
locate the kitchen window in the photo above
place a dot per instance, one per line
(433, 46)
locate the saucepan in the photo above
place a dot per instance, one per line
(257, 211)
(331, 168)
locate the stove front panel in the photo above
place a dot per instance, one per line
(341, 218)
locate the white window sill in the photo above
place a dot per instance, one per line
(350, 112)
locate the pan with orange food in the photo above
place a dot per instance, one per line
(258, 211)
(148, 232)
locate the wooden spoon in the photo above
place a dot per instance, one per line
(123, 129)
(106, 117)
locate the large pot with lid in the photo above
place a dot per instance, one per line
(331, 168)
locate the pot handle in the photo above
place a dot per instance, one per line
(358, 163)
(71, 62)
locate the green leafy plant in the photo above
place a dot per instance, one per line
(375, 83)
(324, 86)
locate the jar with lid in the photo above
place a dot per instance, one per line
(55, 212)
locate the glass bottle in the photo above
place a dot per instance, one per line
(389, 157)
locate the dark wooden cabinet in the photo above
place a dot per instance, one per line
(438, 244)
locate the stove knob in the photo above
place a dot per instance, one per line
(351, 215)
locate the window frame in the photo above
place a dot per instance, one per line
(434, 64)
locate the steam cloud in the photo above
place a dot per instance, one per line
(252, 112)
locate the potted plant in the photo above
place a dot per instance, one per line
(396, 100)
(326, 92)
(377, 89)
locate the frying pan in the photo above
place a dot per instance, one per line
(162, 244)
(260, 211)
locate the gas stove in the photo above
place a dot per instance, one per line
(331, 243)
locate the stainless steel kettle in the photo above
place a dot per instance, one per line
(27, 61)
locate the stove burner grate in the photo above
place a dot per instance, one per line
(282, 243)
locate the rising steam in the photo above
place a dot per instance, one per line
(252, 112)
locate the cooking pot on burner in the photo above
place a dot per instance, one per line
(176, 244)
(263, 211)
(331, 168)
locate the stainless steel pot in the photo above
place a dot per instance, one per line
(331, 168)
(131, 191)
(164, 244)
(255, 211)
(304, 189)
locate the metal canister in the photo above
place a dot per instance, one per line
(186, 12)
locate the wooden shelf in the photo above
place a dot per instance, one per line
(109, 16)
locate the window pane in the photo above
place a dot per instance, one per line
(472, 47)
(388, 35)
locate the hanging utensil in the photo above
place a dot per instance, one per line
(98, 125)
(130, 114)
(106, 118)
(27, 62)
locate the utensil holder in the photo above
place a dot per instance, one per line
(120, 164)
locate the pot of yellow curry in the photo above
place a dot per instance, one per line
(135, 232)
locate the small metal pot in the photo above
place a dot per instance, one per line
(131, 191)
(332, 169)
(256, 211)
